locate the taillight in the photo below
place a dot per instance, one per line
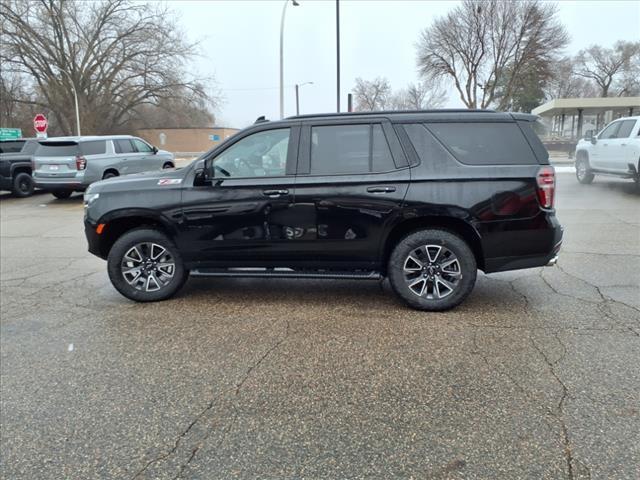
(81, 162)
(546, 180)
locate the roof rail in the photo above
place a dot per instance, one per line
(391, 112)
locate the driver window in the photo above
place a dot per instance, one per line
(610, 131)
(263, 154)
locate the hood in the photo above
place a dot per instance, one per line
(169, 178)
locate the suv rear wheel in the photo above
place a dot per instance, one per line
(145, 266)
(432, 269)
(583, 172)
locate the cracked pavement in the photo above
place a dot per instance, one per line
(535, 376)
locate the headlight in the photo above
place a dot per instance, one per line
(89, 198)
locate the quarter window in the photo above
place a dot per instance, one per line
(485, 143)
(93, 148)
(349, 149)
(263, 154)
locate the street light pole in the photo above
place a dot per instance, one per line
(75, 98)
(284, 10)
(338, 55)
(298, 95)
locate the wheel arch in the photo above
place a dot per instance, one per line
(454, 225)
(118, 223)
(110, 170)
(20, 167)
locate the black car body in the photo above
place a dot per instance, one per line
(16, 167)
(340, 194)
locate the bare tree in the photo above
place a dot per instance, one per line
(371, 95)
(119, 56)
(418, 96)
(565, 83)
(610, 67)
(484, 47)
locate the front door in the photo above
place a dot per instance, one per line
(352, 180)
(243, 217)
(604, 151)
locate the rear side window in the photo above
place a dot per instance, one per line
(429, 150)
(98, 147)
(349, 149)
(625, 128)
(484, 143)
(123, 146)
(58, 149)
(11, 146)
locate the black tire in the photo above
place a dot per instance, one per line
(168, 165)
(62, 194)
(444, 246)
(23, 185)
(583, 171)
(109, 175)
(135, 238)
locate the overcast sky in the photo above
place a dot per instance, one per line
(240, 45)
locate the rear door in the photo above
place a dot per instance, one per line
(56, 159)
(351, 181)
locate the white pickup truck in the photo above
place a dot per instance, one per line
(614, 151)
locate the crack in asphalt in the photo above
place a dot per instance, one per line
(208, 408)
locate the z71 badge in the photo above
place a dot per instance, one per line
(169, 181)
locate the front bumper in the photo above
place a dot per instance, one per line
(93, 239)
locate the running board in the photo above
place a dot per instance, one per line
(285, 273)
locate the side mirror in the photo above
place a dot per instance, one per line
(155, 150)
(589, 136)
(202, 174)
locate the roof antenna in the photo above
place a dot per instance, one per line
(261, 119)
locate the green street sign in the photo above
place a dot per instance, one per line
(10, 133)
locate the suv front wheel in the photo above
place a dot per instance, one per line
(145, 266)
(432, 269)
(583, 172)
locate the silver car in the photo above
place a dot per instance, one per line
(65, 165)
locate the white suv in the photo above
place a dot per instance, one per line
(614, 151)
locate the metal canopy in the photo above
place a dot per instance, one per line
(588, 106)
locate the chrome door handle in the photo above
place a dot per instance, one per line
(381, 189)
(275, 193)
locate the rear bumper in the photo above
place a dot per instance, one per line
(60, 184)
(540, 247)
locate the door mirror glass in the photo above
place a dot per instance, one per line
(154, 149)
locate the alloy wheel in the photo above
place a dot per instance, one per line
(148, 267)
(432, 271)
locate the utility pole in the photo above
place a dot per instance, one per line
(284, 10)
(75, 98)
(338, 55)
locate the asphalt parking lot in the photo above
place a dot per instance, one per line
(535, 376)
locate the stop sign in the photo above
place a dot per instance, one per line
(40, 123)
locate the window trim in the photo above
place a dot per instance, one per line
(304, 158)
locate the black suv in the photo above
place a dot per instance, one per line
(423, 198)
(15, 165)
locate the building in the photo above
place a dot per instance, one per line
(572, 117)
(186, 141)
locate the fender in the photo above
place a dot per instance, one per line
(19, 164)
(136, 212)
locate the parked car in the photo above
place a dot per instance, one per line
(613, 151)
(15, 166)
(65, 165)
(422, 198)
